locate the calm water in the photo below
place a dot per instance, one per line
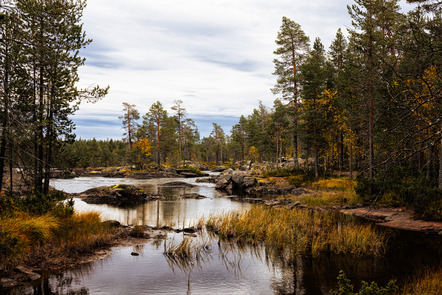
(222, 269)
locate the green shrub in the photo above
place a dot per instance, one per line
(401, 187)
(281, 172)
(194, 170)
(346, 288)
(41, 204)
(297, 180)
(7, 203)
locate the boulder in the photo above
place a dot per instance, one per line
(8, 283)
(32, 276)
(119, 195)
(193, 196)
(210, 179)
(223, 181)
(177, 184)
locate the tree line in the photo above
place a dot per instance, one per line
(39, 60)
(370, 104)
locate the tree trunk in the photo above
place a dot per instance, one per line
(370, 99)
(5, 121)
(440, 157)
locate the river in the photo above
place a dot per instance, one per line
(222, 269)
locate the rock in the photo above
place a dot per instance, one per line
(193, 196)
(190, 230)
(177, 184)
(29, 273)
(253, 200)
(298, 191)
(134, 254)
(119, 195)
(8, 283)
(210, 179)
(223, 181)
(112, 223)
(34, 276)
(219, 169)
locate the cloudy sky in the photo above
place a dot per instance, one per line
(214, 55)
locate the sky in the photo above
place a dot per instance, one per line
(216, 56)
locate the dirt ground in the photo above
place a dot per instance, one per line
(396, 218)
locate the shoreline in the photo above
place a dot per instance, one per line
(31, 271)
(399, 218)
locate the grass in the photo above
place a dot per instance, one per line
(334, 184)
(325, 198)
(428, 283)
(187, 254)
(81, 233)
(293, 232)
(36, 239)
(20, 231)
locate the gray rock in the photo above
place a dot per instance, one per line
(111, 223)
(193, 196)
(34, 276)
(8, 283)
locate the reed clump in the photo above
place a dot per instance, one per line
(429, 283)
(81, 233)
(36, 239)
(295, 231)
(19, 232)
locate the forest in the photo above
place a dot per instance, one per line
(354, 126)
(368, 107)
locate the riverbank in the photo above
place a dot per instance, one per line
(46, 259)
(399, 218)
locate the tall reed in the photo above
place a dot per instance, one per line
(296, 231)
(19, 232)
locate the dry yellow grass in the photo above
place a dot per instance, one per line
(298, 231)
(23, 235)
(429, 283)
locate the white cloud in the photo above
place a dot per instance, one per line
(214, 55)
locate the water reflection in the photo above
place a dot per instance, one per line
(223, 267)
(173, 211)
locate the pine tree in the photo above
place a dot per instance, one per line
(129, 121)
(313, 86)
(154, 124)
(292, 46)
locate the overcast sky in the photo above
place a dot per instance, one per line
(214, 55)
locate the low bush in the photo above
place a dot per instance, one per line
(396, 189)
(346, 288)
(40, 204)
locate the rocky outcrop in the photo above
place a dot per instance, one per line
(177, 184)
(210, 179)
(193, 196)
(235, 181)
(119, 195)
(275, 190)
(244, 182)
(396, 218)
